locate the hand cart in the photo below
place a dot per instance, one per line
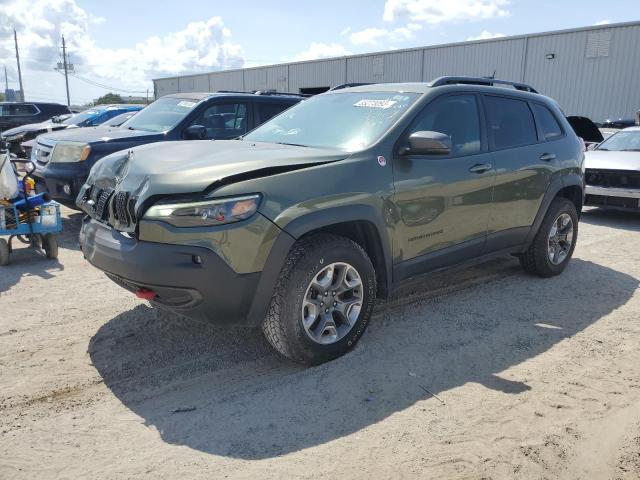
(31, 223)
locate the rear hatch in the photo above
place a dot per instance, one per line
(585, 129)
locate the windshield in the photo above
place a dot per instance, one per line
(161, 115)
(347, 121)
(623, 141)
(83, 116)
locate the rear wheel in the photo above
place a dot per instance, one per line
(4, 252)
(323, 300)
(553, 245)
(50, 245)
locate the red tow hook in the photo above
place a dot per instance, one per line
(145, 294)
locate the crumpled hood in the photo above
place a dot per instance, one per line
(610, 160)
(183, 167)
(100, 134)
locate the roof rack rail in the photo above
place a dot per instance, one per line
(275, 92)
(488, 81)
(348, 85)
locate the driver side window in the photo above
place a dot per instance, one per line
(224, 121)
(456, 116)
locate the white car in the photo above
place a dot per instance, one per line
(612, 171)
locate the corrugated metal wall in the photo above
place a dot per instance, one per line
(592, 71)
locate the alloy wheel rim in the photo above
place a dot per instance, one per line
(332, 303)
(560, 239)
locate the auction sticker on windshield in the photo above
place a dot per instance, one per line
(186, 104)
(375, 103)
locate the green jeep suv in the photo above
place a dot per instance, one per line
(299, 225)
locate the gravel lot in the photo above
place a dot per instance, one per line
(478, 373)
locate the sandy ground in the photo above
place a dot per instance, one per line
(478, 373)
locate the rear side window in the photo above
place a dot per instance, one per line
(13, 109)
(548, 124)
(25, 110)
(456, 116)
(510, 122)
(270, 110)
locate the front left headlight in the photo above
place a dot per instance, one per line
(205, 213)
(69, 152)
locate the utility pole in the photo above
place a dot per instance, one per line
(6, 79)
(15, 37)
(66, 72)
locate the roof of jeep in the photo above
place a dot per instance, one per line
(425, 87)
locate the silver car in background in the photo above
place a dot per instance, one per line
(612, 171)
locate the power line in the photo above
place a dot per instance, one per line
(101, 85)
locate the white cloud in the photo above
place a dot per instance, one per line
(437, 11)
(321, 50)
(485, 35)
(203, 45)
(603, 22)
(345, 31)
(372, 36)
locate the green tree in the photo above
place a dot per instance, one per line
(108, 98)
(1, 97)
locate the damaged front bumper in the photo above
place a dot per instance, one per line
(192, 281)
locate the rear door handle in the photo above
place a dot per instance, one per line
(481, 168)
(547, 157)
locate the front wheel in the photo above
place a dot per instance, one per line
(553, 245)
(323, 300)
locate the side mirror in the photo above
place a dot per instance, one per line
(428, 143)
(195, 132)
(56, 119)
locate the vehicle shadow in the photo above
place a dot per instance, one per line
(612, 218)
(224, 392)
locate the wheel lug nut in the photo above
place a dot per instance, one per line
(322, 304)
(326, 310)
(335, 304)
(325, 294)
(333, 293)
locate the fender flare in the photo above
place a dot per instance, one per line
(560, 182)
(299, 227)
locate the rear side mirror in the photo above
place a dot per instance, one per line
(195, 132)
(428, 143)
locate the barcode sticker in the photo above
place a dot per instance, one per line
(375, 103)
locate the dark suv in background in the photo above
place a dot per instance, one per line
(302, 223)
(14, 114)
(63, 159)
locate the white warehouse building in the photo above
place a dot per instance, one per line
(592, 71)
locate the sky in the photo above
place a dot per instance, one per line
(123, 45)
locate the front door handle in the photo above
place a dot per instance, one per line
(481, 168)
(547, 157)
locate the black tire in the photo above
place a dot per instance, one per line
(283, 325)
(536, 259)
(4, 252)
(50, 245)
